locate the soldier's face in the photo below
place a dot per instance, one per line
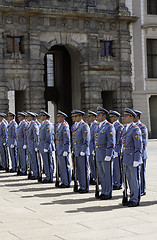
(42, 117)
(73, 119)
(78, 118)
(20, 118)
(101, 117)
(91, 118)
(113, 119)
(60, 119)
(30, 118)
(10, 118)
(1, 119)
(128, 119)
(136, 119)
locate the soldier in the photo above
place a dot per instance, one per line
(12, 143)
(117, 169)
(144, 132)
(81, 149)
(32, 133)
(132, 156)
(62, 135)
(22, 143)
(3, 141)
(93, 123)
(46, 133)
(104, 145)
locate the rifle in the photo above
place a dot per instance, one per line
(18, 159)
(125, 195)
(29, 163)
(6, 157)
(40, 167)
(97, 179)
(75, 174)
(57, 171)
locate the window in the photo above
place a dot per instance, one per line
(152, 7)
(152, 58)
(106, 48)
(50, 70)
(15, 45)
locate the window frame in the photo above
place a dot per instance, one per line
(13, 45)
(151, 55)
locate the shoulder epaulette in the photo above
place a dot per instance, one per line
(47, 122)
(135, 126)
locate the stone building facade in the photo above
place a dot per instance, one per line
(69, 53)
(144, 60)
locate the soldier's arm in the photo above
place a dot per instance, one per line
(137, 138)
(5, 133)
(48, 137)
(86, 137)
(110, 141)
(144, 137)
(66, 139)
(118, 147)
(36, 135)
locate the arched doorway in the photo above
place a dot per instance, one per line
(62, 79)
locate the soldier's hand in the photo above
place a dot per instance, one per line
(12, 145)
(107, 158)
(4, 144)
(36, 149)
(135, 164)
(65, 154)
(82, 154)
(24, 146)
(45, 150)
(115, 154)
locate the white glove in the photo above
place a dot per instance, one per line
(82, 154)
(24, 146)
(93, 153)
(65, 154)
(45, 150)
(12, 145)
(115, 154)
(135, 164)
(107, 159)
(36, 149)
(4, 144)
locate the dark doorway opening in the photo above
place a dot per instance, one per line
(58, 79)
(20, 101)
(107, 97)
(153, 116)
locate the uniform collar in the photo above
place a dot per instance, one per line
(101, 123)
(128, 125)
(117, 121)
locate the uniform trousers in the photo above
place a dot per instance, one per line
(92, 166)
(32, 155)
(13, 155)
(83, 172)
(133, 177)
(48, 165)
(3, 157)
(105, 176)
(117, 172)
(143, 176)
(23, 160)
(64, 169)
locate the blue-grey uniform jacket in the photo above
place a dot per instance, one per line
(3, 133)
(12, 128)
(21, 134)
(62, 135)
(144, 132)
(92, 136)
(46, 133)
(118, 130)
(32, 133)
(104, 141)
(81, 139)
(132, 145)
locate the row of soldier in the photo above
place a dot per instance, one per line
(99, 145)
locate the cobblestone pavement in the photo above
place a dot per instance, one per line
(29, 210)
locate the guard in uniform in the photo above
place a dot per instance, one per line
(81, 150)
(22, 143)
(62, 136)
(36, 120)
(132, 156)
(104, 146)
(3, 141)
(32, 133)
(93, 123)
(12, 143)
(46, 133)
(144, 132)
(117, 168)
